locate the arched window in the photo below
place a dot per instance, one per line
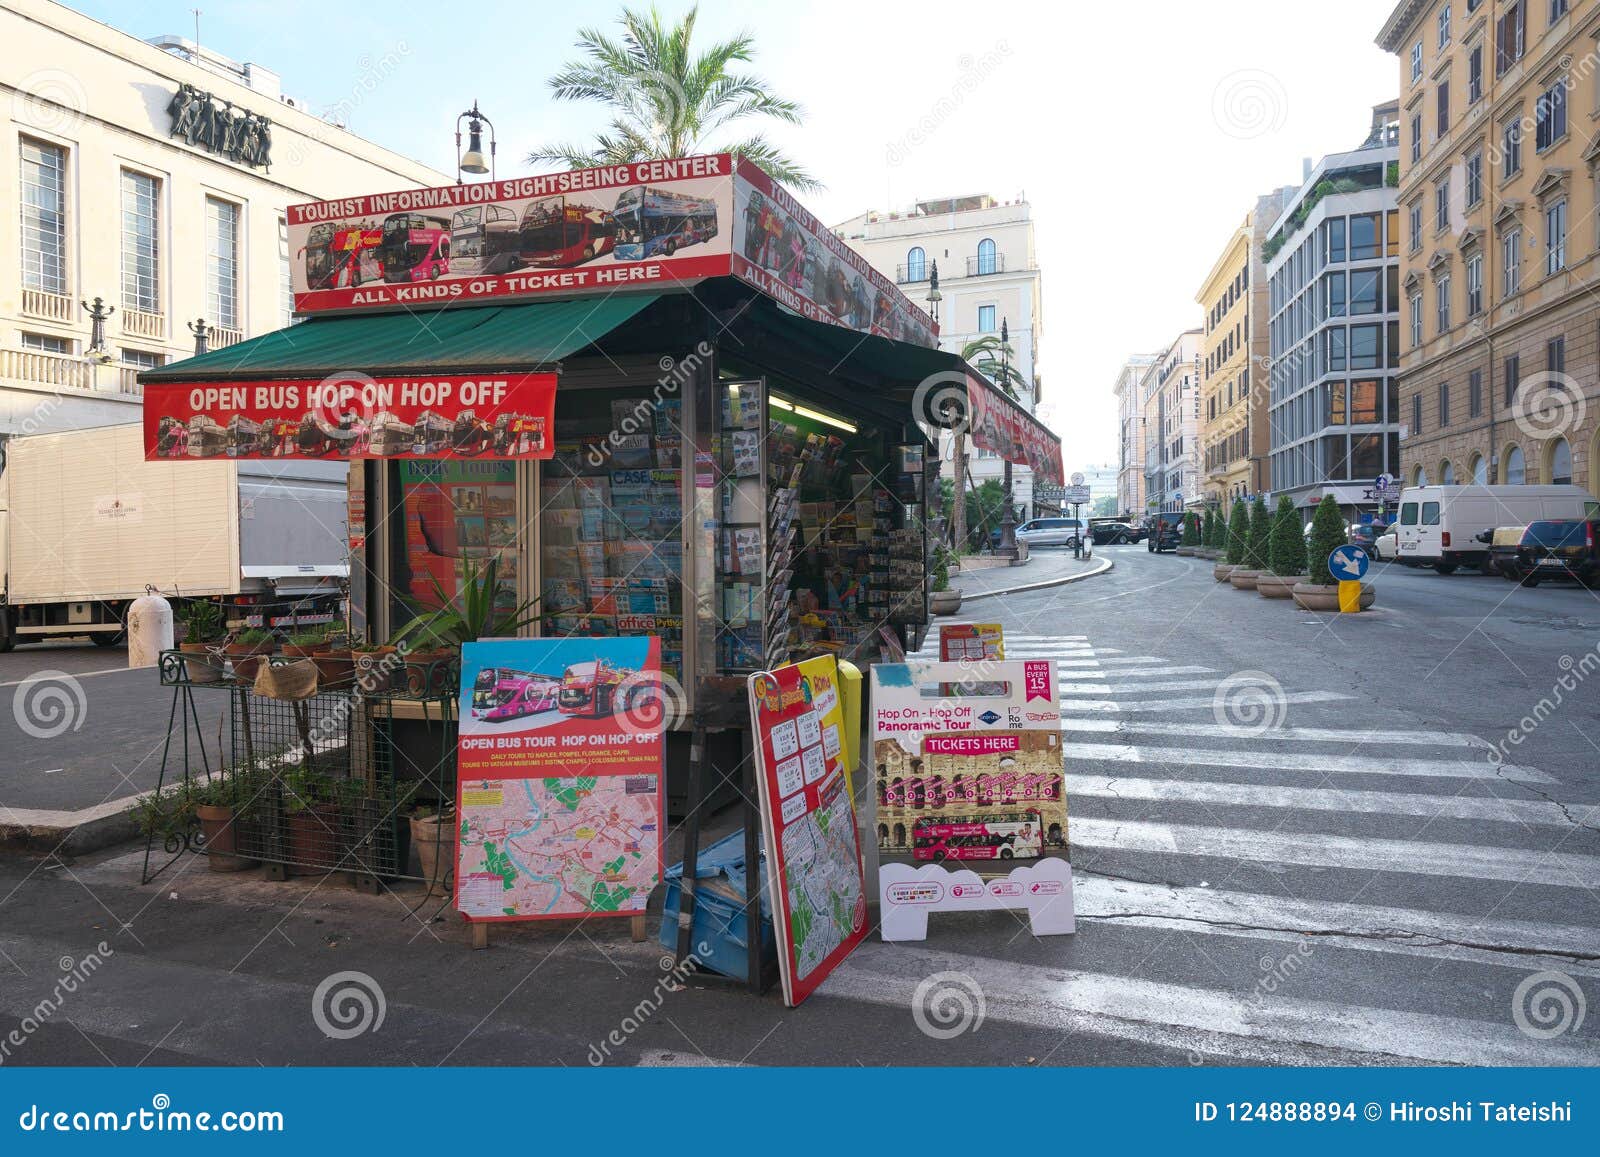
(986, 262)
(916, 264)
(1447, 474)
(1480, 470)
(1516, 469)
(1419, 477)
(1560, 462)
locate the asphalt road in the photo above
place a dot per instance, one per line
(1292, 838)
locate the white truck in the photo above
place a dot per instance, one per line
(1439, 525)
(87, 526)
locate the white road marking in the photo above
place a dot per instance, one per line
(1414, 857)
(1331, 799)
(1070, 706)
(75, 675)
(1300, 734)
(1141, 673)
(1313, 761)
(1130, 688)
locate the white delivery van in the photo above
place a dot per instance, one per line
(1439, 525)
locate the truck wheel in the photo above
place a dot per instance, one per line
(1530, 581)
(1445, 567)
(107, 638)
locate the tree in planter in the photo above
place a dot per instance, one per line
(1327, 536)
(1258, 536)
(1288, 545)
(1238, 528)
(1191, 532)
(1209, 534)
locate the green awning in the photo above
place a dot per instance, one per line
(523, 336)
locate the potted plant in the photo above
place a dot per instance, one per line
(1244, 577)
(167, 815)
(307, 644)
(373, 666)
(1321, 590)
(1232, 534)
(431, 642)
(217, 804)
(247, 650)
(203, 636)
(1286, 554)
(433, 834)
(313, 822)
(945, 601)
(1191, 536)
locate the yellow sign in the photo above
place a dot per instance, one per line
(1349, 596)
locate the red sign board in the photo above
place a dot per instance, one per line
(1005, 428)
(353, 416)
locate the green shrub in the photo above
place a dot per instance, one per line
(1288, 543)
(1191, 532)
(1238, 527)
(1258, 537)
(1327, 536)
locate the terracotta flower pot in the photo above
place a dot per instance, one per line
(434, 837)
(295, 651)
(316, 840)
(1277, 586)
(375, 669)
(428, 672)
(334, 668)
(1221, 571)
(217, 824)
(203, 663)
(247, 657)
(1315, 597)
(1244, 580)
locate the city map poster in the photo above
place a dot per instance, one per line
(560, 796)
(808, 820)
(968, 772)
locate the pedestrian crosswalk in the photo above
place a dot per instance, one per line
(1421, 881)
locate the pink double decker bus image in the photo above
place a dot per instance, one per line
(1011, 836)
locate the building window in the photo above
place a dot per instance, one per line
(1336, 237)
(1510, 32)
(44, 216)
(1364, 343)
(1555, 355)
(1513, 377)
(1444, 404)
(1475, 285)
(1550, 116)
(1416, 414)
(986, 319)
(1444, 109)
(1364, 292)
(1364, 241)
(1511, 148)
(1558, 9)
(141, 359)
(46, 344)
(1447, 475)
(1474, 177)
(1441, 205)
(1416, 62)
(1337, 355)
(1510, 262)
(1475, 74)
(222, 262)
(1480, 470)
(285, 275)
(916, 264)
(1416, 138)
(1444, 303)
(1444, 26)
(1560, 463)
(1516, 469)
(1475, 394)
(1336, 295)
(141, 242)
(986, 262)
(1555, 237)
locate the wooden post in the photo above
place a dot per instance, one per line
(480, 934)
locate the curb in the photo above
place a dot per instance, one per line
(1105, 565)
(73, 833)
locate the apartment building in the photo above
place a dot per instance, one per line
(988, 275)
(1498, 188)
(1130, 434)
(1333, 310)
(155, 177)
(1234, 440)
(1170, 394)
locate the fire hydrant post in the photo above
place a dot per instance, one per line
(850, 703)
(149, 630)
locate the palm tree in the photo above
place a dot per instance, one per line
(666, 100)
(992, 356)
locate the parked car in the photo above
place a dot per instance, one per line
(1504, 543)
(1166, 532)
(1386, 547)
(1439, 525)
(1051, 531)
(1366, 534)
(1562, 549)
(1111, 530)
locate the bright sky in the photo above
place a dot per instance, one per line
(1141, 133)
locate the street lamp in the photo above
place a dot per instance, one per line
(934, 296)
(473, 161)
(1008, 517)
(202, 335)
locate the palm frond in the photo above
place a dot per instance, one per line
(772, 161)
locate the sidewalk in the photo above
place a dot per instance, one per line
(1045, 566)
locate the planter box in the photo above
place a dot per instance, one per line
(946, 602)
(1244, 580)
(1312, 597)
(1221, 571)
(1275, 586)
(1184, 552)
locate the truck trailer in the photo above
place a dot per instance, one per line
(87, 526)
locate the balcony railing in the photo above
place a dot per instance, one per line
(909, 274)
(982, 266)
(49, 306)
(66, 372)
(221, 337)
(139, 323)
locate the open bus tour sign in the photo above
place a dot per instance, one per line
(643, 225)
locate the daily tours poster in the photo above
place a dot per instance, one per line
(560, 797)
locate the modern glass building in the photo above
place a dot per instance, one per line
(1333, 268)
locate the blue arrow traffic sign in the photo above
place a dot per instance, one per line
(1348, 563)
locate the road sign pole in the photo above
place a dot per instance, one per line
(1349, 597)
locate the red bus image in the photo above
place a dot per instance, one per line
(334, 255)
(414, 247)
(500, 694)
(1011, 836)
(656, 223)
(557, 231)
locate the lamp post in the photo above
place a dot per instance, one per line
(473, 161)
(202, 335)
(1008, 517)
(958, 436)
